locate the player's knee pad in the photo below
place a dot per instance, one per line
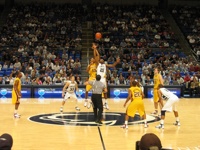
(163, 112)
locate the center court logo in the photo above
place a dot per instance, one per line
(86, 118)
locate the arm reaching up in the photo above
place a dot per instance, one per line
(114, 64)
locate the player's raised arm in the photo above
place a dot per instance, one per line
(114, 64)
(128, 98)
(96, 53)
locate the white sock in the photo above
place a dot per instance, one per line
(15, 111)
(145, 121)
(177, 119)
(76, 103)
(161, 121)
(126, 122)
(105, 101)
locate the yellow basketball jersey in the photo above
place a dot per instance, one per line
(19, 85)
(93, 71)
(156, 80)
(14, 94)
(136, 93)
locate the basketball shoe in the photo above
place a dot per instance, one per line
(89, 105)
(160, 126)
(61, 109)
(85, 103)
(16, 115)
(155, 112)
(146, 125)
(125, 126)
(77, 108)
(177, 123)
(106, 106)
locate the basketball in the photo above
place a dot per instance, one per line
(98, 35)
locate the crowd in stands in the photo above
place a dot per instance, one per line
(129, 27)
(189, 22)
(142, 39)
(43, 41)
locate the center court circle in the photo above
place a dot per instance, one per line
(87, 119)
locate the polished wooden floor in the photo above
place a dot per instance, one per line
(30, 135)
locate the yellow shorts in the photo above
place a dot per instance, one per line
(15, 99)
(88, 87)
(155, 95)
(135, 106)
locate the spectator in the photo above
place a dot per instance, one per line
(7, 80)
(198, 54)
(137, 76)
(2, 80)
(77, 63)
(47, 80)
(56, 67)
(78, 80)
(187, 80)
(112, 81)
(26, 79)
(5, 65)
(194, 85)
(180, 80)
(144, 77)
(11, 65)
(121, 81)
(50, 64)
(37, 81)
(65, 56)
(6, 142)
(58, 81)
(62, 71)
(125, 67)
(174, 81)
(12, 78)
(150, 141)
(76, 70)
(21, 49)
(148, 81)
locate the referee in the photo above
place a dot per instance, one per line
(97, 88)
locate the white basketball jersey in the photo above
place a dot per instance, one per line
(72, 86)
(165, 92)
(101, 70)
(142, 88)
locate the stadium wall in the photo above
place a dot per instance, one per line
(55, 91)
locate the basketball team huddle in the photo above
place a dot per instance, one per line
(135, 97)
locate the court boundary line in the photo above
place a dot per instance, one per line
(102, 142)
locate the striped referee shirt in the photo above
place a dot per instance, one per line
(97, 87)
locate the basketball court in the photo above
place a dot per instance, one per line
(43, 127)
